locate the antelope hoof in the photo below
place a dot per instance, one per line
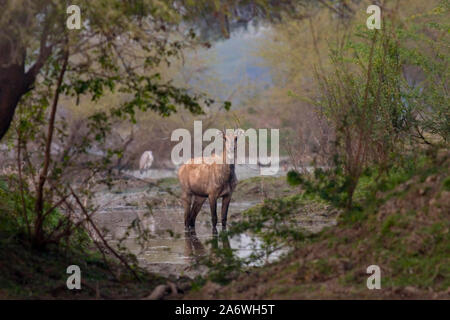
(214, 231)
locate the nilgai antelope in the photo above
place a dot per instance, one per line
(210, 178)
(146, 161)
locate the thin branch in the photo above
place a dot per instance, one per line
(22, 196)
(39, 204)
(88, 218)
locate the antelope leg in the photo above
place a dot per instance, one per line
(225, 203)
(187, 199)
(213, 206)
(196, 207)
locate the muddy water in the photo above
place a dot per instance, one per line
(166, 248)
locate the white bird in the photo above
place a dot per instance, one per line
(146, 161)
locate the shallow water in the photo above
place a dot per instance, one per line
(168, 249)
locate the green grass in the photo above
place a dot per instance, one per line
(26, 272)
(446, 184)
(427, 266)
(409, 241)
(168, 182)
(13, 217)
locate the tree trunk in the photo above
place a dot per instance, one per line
(12, 87)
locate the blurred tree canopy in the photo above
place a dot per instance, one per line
(118, 46)
(118, 43)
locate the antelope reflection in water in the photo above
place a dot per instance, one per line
(194, 248)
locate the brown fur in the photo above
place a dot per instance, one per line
(208, 180)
